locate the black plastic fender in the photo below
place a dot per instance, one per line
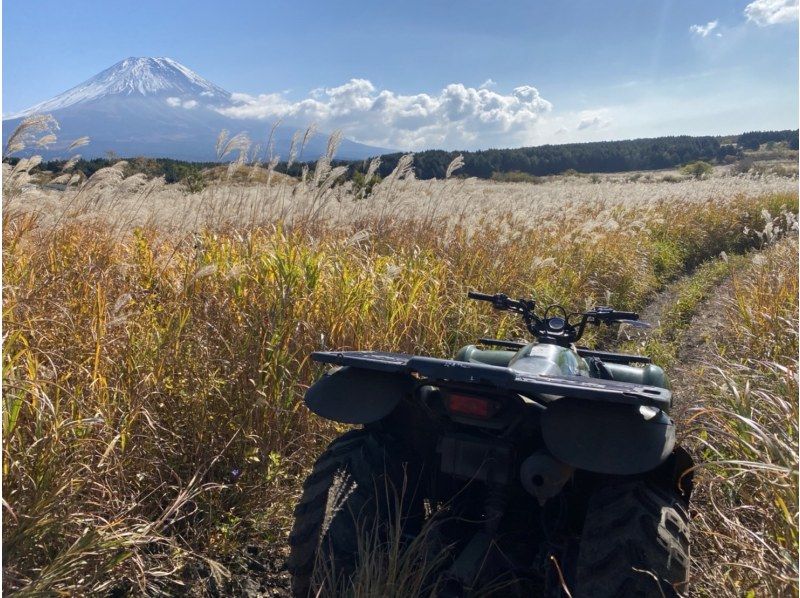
(357, 396)
(607, 438)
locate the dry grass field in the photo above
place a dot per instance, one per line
(156, 350)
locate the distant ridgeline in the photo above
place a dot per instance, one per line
(601, 156)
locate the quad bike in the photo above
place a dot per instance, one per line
(553, 468)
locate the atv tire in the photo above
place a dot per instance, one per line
(635, 542)
(355, 485)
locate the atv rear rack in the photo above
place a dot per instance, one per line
(448, 370)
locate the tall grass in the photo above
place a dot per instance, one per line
(746, 428)
(153, 371)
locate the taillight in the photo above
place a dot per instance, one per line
(471, 406)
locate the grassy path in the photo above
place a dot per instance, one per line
(686, 318)
(724, 335)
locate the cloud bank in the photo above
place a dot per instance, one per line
(456, 117)
(178, 103)
(771, 12)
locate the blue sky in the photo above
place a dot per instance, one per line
(440, 74)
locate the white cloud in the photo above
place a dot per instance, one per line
(177, 103)
(488, 84)
(704, 30)
(457, 116)
(593, 119)
(771, 12)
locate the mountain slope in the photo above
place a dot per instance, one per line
(159, 108)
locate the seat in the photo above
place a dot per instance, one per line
(472, 354)
(650, 375)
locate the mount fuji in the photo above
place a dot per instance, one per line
(157, 107)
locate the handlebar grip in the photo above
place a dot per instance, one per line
(625, 315)
(480, 296)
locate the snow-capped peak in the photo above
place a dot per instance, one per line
(136, 76)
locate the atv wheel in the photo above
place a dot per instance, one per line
(635, 542)
(356, 485)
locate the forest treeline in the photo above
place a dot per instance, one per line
(601, 156)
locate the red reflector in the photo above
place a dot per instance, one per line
(472, 406)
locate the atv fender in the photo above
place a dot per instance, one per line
(357, 396)
(607, 438)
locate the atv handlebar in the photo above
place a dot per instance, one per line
(609, 314)
(554, 329)
(481, 296)
(626, 315)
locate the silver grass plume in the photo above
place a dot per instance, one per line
(254, 161)
(70, 163)
(79, 142)
(270, 143)
(372, 169)
(27, 130)
(111, 175)
(25, 165)
(239, 142)
(221, 139)
(321, 170)
(405, 166)
(323, 166)
(333, 144)
(335, 173)
(374, 164)
(310, 132)
(46, 140)
(234, 165)
(457, 163)
(271, 168)
(293, 147)
(62, 179)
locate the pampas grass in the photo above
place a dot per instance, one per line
(27, 131)
(79, 142)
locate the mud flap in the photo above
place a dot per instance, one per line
(607, 438)
(357, 396)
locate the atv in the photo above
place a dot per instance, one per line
(543, 468)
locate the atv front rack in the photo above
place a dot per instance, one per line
(448, 370)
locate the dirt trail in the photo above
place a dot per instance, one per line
(693, 352)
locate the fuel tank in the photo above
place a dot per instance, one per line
(549, 360)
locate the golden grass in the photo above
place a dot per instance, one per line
(746, 432)
(153, 370)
